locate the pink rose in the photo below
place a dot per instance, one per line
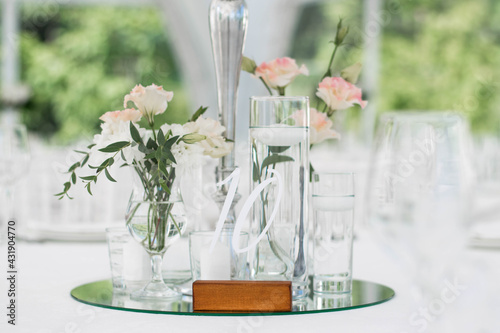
(150, 100)
(320, 126)
(280, 72)
(338, 94)
(132, 115)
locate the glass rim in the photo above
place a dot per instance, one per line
(280, 98)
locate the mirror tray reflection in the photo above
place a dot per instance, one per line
(364, 293)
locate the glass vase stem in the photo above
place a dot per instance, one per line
(156, 263)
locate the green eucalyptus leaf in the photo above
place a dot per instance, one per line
(170, 156)
(150, 156)
(256, 172)
(163, 168)
(170, 142)
(278, 149)
(142, 148)
(73, 178)
(151, 144)
(135, 133)
(115, 147)
(88, 188)
(106, 163)
(85, 160)
(161, 137)
(109, 176)
(74, 166)
(199, 113)
(274, 159)
(88, 178)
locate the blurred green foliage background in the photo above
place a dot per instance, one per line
(435, 55)
(83, 60)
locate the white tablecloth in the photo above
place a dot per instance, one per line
(48, 271)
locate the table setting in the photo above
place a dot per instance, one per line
(311, 234)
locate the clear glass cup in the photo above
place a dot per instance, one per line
(117, 238)
(223, 263)
(333, 198)
(129, 263)
(279, 139)
(419, 194)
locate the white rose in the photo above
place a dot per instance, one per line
(150, 100)
(216, 147)
(209, 127)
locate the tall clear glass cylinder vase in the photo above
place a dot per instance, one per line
(279, 139)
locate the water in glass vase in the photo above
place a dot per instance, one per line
(280, 255)
(156, 225)
(157, 228)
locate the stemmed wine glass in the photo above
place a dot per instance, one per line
(14, 160)
(156, 222)
(418, 193)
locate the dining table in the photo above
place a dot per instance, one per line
(47, 271)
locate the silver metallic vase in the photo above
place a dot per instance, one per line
(228, 27)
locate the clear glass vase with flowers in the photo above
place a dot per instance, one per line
(159, 154)
(334, 93)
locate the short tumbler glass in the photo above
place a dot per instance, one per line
(223, 263)
(128, 261)
(333, 207)
(117, 239)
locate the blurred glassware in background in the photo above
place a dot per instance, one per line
(418, 194)
(14, 165)
(486, 210)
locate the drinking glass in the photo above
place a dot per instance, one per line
(279, 139)
(14, 163)
(222, 263)
(129, 263)
(418, 193)
(333, 208)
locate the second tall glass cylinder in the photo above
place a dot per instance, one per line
(279, 139)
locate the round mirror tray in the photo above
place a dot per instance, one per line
(100, 293)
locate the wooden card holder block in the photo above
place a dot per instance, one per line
(242, 296)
